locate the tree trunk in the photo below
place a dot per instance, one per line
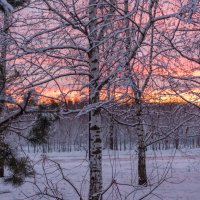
(3, 80)
(1, 157)
(95, 143)
(142, 175)
(111, 133)
(1, 169)
(95, 153)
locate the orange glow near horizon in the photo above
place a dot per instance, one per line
(169, 96)
(152, 96)
(50, 95)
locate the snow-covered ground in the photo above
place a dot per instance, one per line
(173, 175)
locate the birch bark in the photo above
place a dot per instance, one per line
(142, 175)
(95, 144)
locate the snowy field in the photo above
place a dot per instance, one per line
(173, 175)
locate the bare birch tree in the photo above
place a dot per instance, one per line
(77, 53)
(147, 50)
(74, 44)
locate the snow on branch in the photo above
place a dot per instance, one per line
(91, 107)
(190, 8)
(6, 98)
(7, 8)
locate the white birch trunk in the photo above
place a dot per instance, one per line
(95, 143)
(142, 175)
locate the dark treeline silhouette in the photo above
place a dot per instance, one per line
(166, 126)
